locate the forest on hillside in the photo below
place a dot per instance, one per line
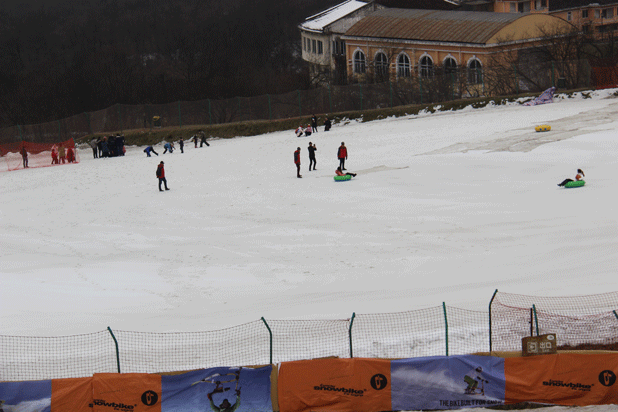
(64, 57)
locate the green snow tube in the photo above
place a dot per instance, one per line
(575, 183)
(342, 178)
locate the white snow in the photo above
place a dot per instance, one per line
(446, 207)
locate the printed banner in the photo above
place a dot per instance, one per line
(135, 392)
(447, 382)
(563, 379)
(32, 396)
(218, 389)
(72, 394)
(359, 385)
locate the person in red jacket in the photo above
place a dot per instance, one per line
(342, 155)
(297, 161)
(161, 176)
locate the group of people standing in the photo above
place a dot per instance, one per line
(108, 146)
(313, 127)
(59, 154)
(342, 156)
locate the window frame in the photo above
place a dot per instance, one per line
(404, 68)
(359, 66)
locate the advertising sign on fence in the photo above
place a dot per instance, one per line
(135, 392)
(241, 389)
(72, 394)
(26, 396)
(451, 382)
(361, 385)
(563, 379)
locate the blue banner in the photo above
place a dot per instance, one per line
(218, 389)
(447, 382)
(32, 396)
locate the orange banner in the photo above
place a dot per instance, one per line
(563, 379)
(72, 394)
(359, 385)
(136, 392)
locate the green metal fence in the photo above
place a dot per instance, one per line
(579, 322)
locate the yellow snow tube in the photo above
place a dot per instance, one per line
(543, 128)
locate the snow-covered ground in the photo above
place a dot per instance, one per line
(446, 207)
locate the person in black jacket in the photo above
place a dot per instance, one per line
(312, 150)
(327, 124)
(314, 123)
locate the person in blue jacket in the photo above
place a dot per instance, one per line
(150, 149)
(169, 147)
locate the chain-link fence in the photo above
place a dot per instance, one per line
(437, 86)
(580, 322)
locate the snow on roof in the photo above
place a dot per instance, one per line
(319, 21)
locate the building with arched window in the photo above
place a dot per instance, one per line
(426, 42)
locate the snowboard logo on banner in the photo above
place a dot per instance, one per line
(607, 378)
(149, 398)
(378, 382)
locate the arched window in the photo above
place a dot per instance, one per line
(381, 63)
(475, 72)
(426, 66)
(450, 65)
(403, 66)
(359, 62)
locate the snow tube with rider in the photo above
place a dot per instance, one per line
(543, 128)
(342, 178)
(574, 183)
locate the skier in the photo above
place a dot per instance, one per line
(473, 378)
(161, 176)
(297, 161)
(312, 150)
(150, 149)
(342, 155)
(579, 176)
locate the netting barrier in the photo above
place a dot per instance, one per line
(437, 87)
(584, 322)
(605, 77)
(23, 155)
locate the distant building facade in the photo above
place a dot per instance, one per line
(322, 46)
(394, 44)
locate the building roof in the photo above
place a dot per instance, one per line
(321, 20)
(557, 5)
(433, 25)
(420, 4)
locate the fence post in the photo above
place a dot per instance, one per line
(615, 314)
(516, 81)
(350, 333)
(179, 115)
(271, 339)
(360, 86)
(445, 326)
(536, 320)
(330, 100)
(420, 87)
(270, 110)
(452, 86)
(300, 111)
(20, 135)
(117, 351)
(490, 331)
(59, 132)
(390, 86)
(553, 82)
(209, 112)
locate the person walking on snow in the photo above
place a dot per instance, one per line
(312, 150)
(314, 123)
(161, 176)
(181, 144)
(342, 155)
(297, 161)
(24, 156)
